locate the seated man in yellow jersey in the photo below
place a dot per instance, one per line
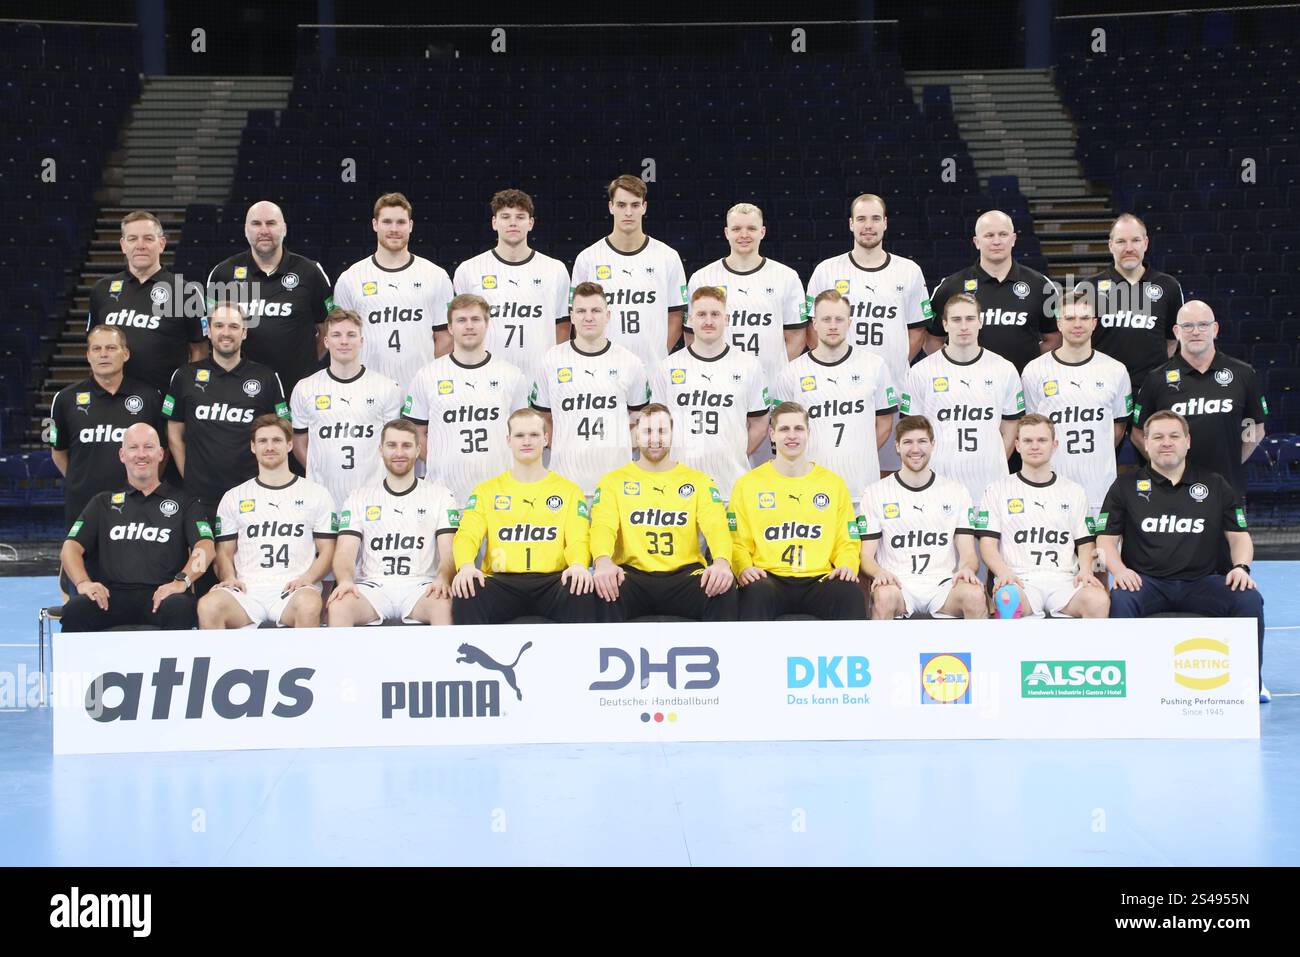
(536, 525)
(645, 534)
(796, 541)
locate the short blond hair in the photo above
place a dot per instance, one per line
(744, 209)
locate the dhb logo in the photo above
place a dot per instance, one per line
(708, 667)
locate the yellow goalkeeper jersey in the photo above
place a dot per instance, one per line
(530, 526)
(652, 520)
(798, 527)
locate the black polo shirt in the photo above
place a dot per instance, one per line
(1016, 312)
(1171, 531)
(140, 540)
(1215, 404)
(283, 309)
(153, 314)
(1135, 320)
(218, 408)
(87, 422)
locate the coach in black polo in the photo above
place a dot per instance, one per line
(151, 541)
(1017, 304)
(285, 297)
(210, 405)
(1219, 396)
(149, 305)
(1172, 517)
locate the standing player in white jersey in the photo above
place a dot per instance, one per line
(528, 293)
(918, 536)
(850, 400)
(338, 412)
(275, 542)
(460, 401)
(769, 318)
(1031, 525)
(393, 559)
(717, 395)
(401, 297)
(972, 396)
(643, 278)
(588, 389)
(1086, 393)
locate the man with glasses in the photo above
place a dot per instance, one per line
(1221, 398)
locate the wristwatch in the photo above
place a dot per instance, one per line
(182, 577)
(1243, 566)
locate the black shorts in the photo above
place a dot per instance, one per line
(830, 599)
(510, 595)
(676, 593)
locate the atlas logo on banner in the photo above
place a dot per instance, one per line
(103, 704)
(462, 698)
(616, 659)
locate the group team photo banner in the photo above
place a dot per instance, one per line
(732, 681)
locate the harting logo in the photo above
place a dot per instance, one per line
(1201, 663)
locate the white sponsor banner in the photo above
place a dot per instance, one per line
(772, 681)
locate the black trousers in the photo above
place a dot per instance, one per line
(129, 605)
(825, 598)
(508, 596)
(668, 593)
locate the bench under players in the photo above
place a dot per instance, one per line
(646, 524)
(1036, 531)
(393, 557)
(275, 542)
(918, 536)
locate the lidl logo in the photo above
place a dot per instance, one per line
(940, 384)
(892, 510)
(808, 383)
(842, 286)
(1015, 505)
(564, 374)
(631, 488)
(115, 286)
(501, 503)
(767, 500)
(1050, 387)
(489, 282)
(83, 398)
(970, 285)
(323, 402)
(373, 512)
(1172, 376)
(1201, 663)
(678, 376)
(1104, 285)
(445, 386)
(248, 505)
(202, 375)
(1144, 485)
(1073, 679)
(241, 272)
(945, 678)
(118, 498)
(603, 272)
(370, 289)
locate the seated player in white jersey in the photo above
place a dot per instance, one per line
(528, 292)
(717, 394)
(642, 277)
(1084, 392)
(401, 296)
(338, 412)
(393, 558)
(589, 390)
(847, 391)
(275, 542)
(971, 396)
(769, 317)
(461, 401)
(1032, 524)
(918, 536)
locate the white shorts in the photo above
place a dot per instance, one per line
(394, 598)
(1048, 594)
(263, 603)
(925, 595)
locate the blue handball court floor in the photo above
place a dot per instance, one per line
(1106, 803)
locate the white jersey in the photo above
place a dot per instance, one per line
(342, 419)
(1039, 527)
(763, 303)
(275, 528)
(917, 528)
(712, 401)
(640, 287)
(966, 403)
(884, 303)
(1085, 401)
(400, 309)
(527, 301)
(399, 533)
(588, 396)
(843, 399)
(466, 408)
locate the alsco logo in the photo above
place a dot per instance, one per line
(1073, 679)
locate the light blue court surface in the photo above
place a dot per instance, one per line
(900, 803)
